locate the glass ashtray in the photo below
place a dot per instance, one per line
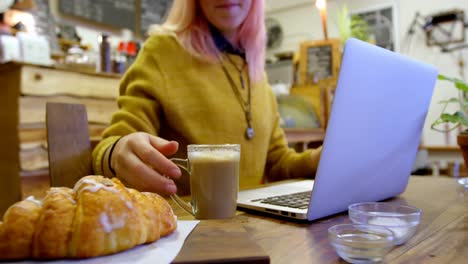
(356, 243)
(403, 220)
(463, 182)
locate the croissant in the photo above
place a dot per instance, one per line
(99, 216)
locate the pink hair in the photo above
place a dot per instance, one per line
(185, 21)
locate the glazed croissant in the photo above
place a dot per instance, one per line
(100, 216)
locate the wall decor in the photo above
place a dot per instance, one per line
(382, 21)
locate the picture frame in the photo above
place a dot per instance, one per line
(383, 24)
(319, 66)
(444, 28)
(319, 61)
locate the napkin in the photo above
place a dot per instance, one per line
(163, 250)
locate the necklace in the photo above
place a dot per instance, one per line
(246, 105)
(239, 70)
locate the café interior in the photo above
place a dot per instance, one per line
(61, 66)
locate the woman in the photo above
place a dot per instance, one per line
(199, 79)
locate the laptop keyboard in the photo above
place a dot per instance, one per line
(298, 200)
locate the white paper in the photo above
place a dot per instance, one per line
(162, 251)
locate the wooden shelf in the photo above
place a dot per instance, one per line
(441, 148)
(27, 89)
(299, 135)
(304, 136)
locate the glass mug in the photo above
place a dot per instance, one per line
(214, 180)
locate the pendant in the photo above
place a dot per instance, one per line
(241, 79)
(249, 133)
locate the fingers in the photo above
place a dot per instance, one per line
(139, 159)
(153, 157)
(148, 179)
(165, 147)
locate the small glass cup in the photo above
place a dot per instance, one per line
(403, 220)
(214, 180)
(361, 243)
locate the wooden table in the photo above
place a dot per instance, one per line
(442, 236)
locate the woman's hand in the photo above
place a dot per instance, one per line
(140, 160)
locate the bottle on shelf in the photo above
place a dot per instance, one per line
(131, 52)
(119, 61)
(105, 52)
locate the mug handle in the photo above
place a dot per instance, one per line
(186, 206)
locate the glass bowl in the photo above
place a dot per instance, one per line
(403, 220)
(357, 243)
(463, 182)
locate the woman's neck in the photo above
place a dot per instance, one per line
(232, 37)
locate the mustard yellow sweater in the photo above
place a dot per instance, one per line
(171, 94)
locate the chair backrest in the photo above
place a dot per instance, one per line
(69, 145)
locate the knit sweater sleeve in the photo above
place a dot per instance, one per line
(284, 162)
(138, 103)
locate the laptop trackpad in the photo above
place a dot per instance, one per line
(280, 189)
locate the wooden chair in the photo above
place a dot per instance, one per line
(69, 144)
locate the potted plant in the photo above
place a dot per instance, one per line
(459, 117)
(352, 26)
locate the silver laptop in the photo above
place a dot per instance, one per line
(373, 133)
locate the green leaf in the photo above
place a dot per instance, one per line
(344, 23)
(451, 118)
(457, 117)
(359, 28)
(464, 121)
(462, 118)
(459, 84)
(450, 100)
(439, 121)
(442, 77)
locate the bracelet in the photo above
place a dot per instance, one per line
(110, 157)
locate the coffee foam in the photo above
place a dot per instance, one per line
(215, 155)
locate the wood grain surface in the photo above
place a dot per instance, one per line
(67, 125)
(10, 188)
(442, 235)
(221, 241)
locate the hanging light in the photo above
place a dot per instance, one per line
(322, 7)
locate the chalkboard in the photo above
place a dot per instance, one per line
(152, 12)
(319, 62)
(116, 13)
(45, 24)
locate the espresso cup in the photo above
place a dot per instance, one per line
(214, 180)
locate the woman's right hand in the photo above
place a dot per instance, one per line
(140, 160)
